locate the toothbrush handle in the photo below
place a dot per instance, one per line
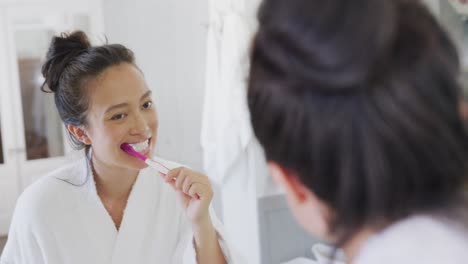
(157, 166)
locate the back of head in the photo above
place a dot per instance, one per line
(360, 100)
(72, 62)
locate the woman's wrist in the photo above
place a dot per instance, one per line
(204, 232)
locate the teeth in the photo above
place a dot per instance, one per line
(139, 147)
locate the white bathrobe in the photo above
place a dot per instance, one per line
(61, 220)
(420, 239)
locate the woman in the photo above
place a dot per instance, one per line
(108, 207)
(356, 105)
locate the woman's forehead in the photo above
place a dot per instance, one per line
(121, 84)
(118, 83)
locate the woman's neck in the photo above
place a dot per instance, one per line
(112, 182)
(355, 245)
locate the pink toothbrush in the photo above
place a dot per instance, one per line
(152, 163)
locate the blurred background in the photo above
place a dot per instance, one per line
(194, 57)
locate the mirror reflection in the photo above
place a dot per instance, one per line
(146, 133)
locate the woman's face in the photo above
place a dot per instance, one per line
(121, 111)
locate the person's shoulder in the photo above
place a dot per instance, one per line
(72, 172)
(46, 193)
(417, 239)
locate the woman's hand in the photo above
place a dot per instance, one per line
(195, 193)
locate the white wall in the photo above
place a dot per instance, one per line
(434, 5)
(169, 40)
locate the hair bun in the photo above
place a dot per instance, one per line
(332, 46)
(62, 50)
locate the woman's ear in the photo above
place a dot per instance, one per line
(289, 182)
(312, 213)
(79, 133)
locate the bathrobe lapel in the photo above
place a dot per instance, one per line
(100, 228)
(138, 218)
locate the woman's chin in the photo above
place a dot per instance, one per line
(135, 164)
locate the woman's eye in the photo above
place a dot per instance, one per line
(118, 116)
(147, 105)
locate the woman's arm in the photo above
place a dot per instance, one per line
(207, 243)
(195, 194)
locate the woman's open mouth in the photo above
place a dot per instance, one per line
(142, 147)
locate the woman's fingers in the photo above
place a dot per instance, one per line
(179, 180)
(194, 190)
(189, 182)
(200, 191)
(173, 174)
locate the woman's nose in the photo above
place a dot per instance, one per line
(140, 126)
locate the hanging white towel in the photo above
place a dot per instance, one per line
(227, 134)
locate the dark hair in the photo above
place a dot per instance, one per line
(359, 99)
(71, 63)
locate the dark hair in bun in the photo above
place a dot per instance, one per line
(62, 51)
(359, 99)
(70, 63)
